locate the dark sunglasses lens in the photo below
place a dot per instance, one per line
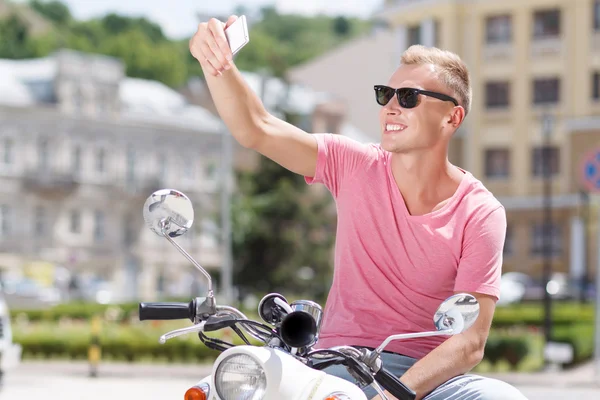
(408, 98)
(383, 95)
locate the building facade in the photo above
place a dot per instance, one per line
(81, 148)
(528, 60)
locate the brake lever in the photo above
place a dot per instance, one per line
(180, 332)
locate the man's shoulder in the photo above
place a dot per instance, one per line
(479, 199)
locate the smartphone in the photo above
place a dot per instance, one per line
(237, 34)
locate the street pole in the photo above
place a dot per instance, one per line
(547, 236)
(226, 171)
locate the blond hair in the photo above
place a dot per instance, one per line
(452, 71)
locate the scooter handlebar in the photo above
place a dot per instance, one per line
(393, 385)
(167, 311)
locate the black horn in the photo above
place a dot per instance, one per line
(298, 329)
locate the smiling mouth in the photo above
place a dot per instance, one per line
(393, 128)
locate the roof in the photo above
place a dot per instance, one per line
(30, 82)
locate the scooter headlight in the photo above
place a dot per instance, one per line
(239, 376)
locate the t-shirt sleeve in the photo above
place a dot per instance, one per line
(480, 266)
(338, 159)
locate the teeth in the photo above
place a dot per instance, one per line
(390, 127)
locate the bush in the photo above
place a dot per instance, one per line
(508, 347)
(580, 336)
(117, 342)
(533, 314)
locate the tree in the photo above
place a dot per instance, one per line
(15, 38)
(279, 228)
(54, 11)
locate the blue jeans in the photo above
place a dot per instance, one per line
(462, 387)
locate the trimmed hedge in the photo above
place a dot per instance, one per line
(533, 314)
(118, 342)
(48, 334)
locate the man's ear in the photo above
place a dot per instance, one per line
(456, 117)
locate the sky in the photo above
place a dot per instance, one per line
(178, 18)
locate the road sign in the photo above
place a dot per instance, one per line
(590, 171)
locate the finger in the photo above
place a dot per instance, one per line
(230, 21)
(211, 60)
(217, 52)
(220, 39)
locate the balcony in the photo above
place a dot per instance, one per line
(50, 183)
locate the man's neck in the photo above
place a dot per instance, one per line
(427, 177)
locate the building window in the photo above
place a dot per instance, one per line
(99, 226)
(546, 90)
(162, 166)
(100, 160)
(414, 35)
(437, 41)
(497, 163)
(545, 157)
(188, 167)
(130, 165)
(538, 233)
(596, 15)
(129, 236)
(39, 221)
(497, 94)
(75, 221)
(596, 86)
(76, 160)
(43, 153)
(211, 171)
(78, 99)
(8, 151)
(546, 23)
(5, 216)
(498, 29)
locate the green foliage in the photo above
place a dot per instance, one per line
(580, 336)
(54, 11)
(122, 342)
(14, 38)
(278, 230)
(277, 43)
(533, 314)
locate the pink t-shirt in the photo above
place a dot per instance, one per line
(392, 269)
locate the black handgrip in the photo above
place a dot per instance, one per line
(214, 323)
(165, 311)
(394, 386)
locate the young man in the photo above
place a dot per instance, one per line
(412, 228)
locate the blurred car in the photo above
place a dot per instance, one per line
(516, 287)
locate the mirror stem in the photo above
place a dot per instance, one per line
(190, 258)
(411, 336)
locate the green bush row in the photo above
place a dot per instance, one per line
(521, 314)
(533, 314)
(139, 342)
(580, 336)
(125, 344)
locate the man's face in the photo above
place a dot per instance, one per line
(425, 126)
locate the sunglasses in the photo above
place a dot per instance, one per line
(407, 97)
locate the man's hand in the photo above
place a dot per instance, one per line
(210, 47)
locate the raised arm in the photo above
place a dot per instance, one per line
(241, 109)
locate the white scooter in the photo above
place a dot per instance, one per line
(287, 366)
